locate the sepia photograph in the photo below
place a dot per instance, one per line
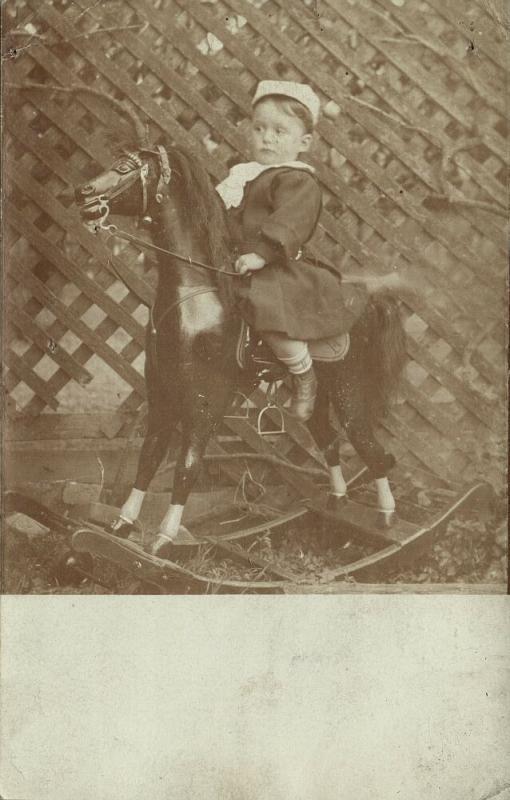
(254, 443)
(255, 297)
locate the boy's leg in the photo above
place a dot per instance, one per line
(296, 357)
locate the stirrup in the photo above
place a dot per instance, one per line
(271, 405)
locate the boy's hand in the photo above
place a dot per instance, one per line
(249, 262)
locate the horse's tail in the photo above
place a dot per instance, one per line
(386, 352)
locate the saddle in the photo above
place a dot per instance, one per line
(255, 356)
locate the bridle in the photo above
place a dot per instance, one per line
(141, 173)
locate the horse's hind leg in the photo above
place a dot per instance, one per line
(326, 436)
(350, 403)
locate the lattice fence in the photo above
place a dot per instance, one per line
(411, 154)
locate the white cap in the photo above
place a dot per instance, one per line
(298, 91)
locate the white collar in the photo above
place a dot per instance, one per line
(231, 190)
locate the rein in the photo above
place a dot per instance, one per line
(114, 231)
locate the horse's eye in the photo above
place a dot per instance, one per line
(123, 166)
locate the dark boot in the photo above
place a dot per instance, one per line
(304, 392)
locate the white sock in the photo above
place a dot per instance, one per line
(385, 499)
(133, 505)
(337, 484)
(171, 521)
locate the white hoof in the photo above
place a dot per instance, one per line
(386, 519)
(184, 536)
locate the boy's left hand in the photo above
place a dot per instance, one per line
(249, 262)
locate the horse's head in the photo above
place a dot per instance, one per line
(129, 187)
(162, 184)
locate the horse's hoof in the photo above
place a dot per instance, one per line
(122, 528)
(386, 519)
(165, 547)
(336, 501)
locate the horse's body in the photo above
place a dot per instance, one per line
(191, 369)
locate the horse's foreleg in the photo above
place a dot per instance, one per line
(154, 449)
(205, 408)
(186, 473)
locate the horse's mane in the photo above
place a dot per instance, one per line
(206, 210)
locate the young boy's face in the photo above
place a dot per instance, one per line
(275, 135)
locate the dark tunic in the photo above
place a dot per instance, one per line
(278, 215)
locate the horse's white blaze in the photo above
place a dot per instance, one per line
(200, 314)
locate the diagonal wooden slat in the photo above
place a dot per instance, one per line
(487, 43)
(486, 411)
(55, 255)
(334, 181)
(122, 82)
(397, 102)
(28, 329)
(391, 189)
(31, 379)
(88, 336)
(416, 23)
(368, 23)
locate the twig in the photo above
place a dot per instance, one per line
(448, 154)
(498, 17)
(13, 52)
(25, 33)
(424, 131)
(43, 40)
(446, 195)
(121, 105)
(465, 203)
(386, 17)
(412, 38)
(101, 467)
(138, 26)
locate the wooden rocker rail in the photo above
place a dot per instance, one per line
(359, 520)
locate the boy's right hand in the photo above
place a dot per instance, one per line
(249, 262)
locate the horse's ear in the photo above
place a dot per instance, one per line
(141, 128)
